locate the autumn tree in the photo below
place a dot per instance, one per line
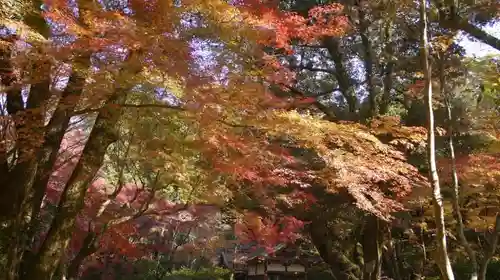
(312, 70)
(237, 104)
(459, 85)
(111, 50)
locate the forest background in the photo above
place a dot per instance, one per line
(140, 138)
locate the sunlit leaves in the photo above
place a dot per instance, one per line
(267, 232)
(286, 26)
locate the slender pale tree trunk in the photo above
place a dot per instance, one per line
(456, 185)
(443, 261)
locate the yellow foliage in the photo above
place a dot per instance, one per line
(356, 160)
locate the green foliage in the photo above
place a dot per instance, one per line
(157, 270)
(486, 69)
(203, 274)
(320, 272)
(397, 110)
(362, 162)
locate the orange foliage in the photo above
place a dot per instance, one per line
(321, 21)
(267, 232)
(478, 169)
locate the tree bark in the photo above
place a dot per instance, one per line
(52, 249)
(368, 60)
(56, 129)
(89, 245)
(47, 155)
(372, 248)
(443, 260)
(341, 266)
(342, 76)
(21, 177)
(392, 256)
(16, 176)
(458, 23)
(388, 69)
(456, 186)
(88, 248)
(14, 104)
(491, 250)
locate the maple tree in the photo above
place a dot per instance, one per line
(317, 66)
(108, 85)
(308, 64)
(238, 104)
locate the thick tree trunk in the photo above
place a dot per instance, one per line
(47, 155)
(392, 256)
(442, 260)
(372, 239)
(16, 176)
(346, 87)
(88, 248)
(27, 121)
(89, 245)
(388, 69)
(448, 17)
(56, 129)
(52, 249)
(7, 207)
(368, 60)
(6, 80)
(15, 105)
(341, 266)
(21, 178)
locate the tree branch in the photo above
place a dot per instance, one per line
(341, 74)
(310, 67)
(325, 109)
(474, 31)
(137, 106)
(491, 250)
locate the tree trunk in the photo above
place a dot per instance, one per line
(7, 204)
(368, 60)
(392, 256)
(47, 155)
(388, 69)
(491, 250)
(88, 248)
(346, 87)
(456, 185)
(21, 178)
(14, 104)
(56, 129)
(52, 249)
(341, 266)
(442, 260)
(6, 80)
(16, 176)
(458, 23)
(372, 248)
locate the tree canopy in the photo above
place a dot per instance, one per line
(141, 138)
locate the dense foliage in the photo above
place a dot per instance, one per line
(140, 139)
